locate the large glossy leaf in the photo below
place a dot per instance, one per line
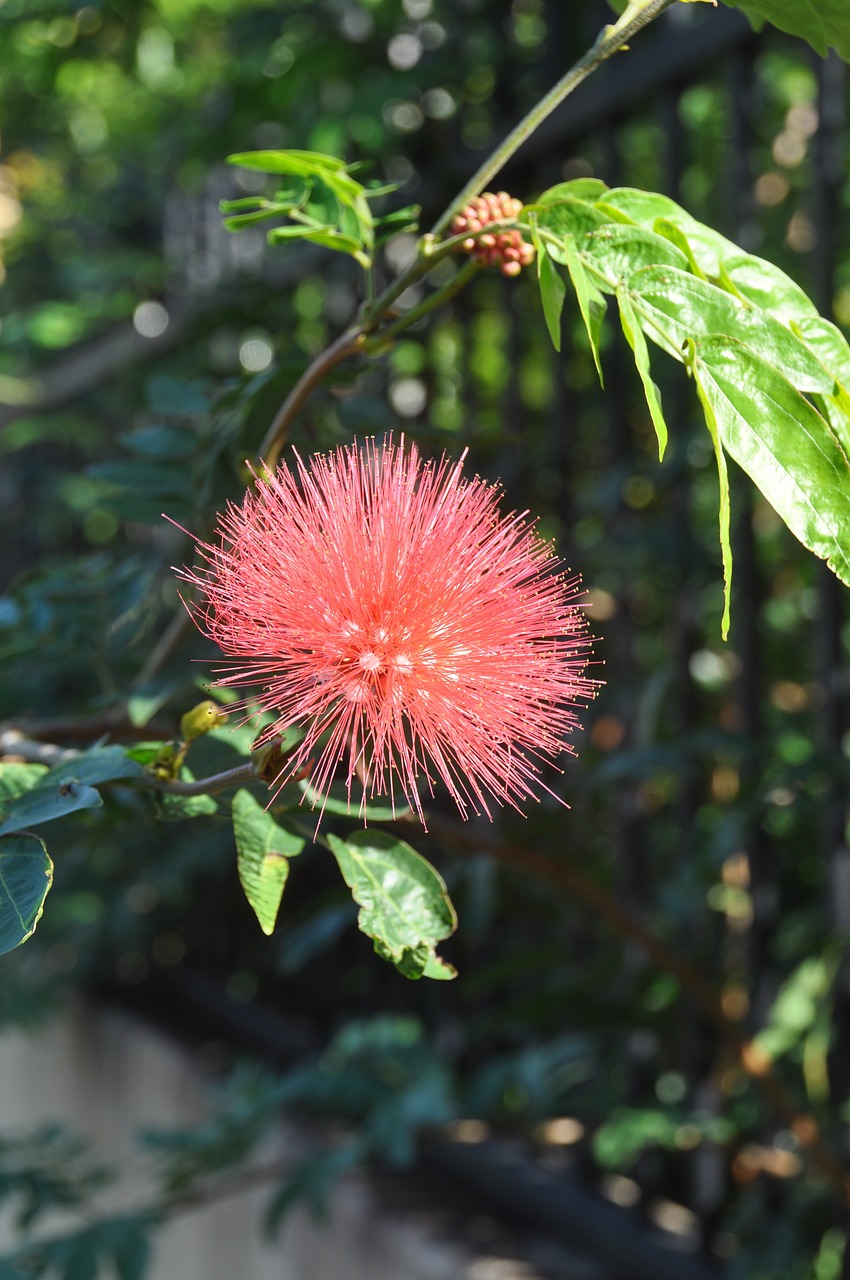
(26, 874)
(264, 847)
(767, 286)
(656, 212)
(618, 251)
(45, 803)
(676, 306)
(404, 905)
(782, 443)
(567, 215)
(824, 24)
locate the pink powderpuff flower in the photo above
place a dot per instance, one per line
(420, 634)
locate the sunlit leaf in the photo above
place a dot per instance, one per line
(824, 24)
(637, 342)
(724, 509)
(264, 847)
(552, 294)
(783, 444)
(404, 905)
(618, 251)
(591, 302)
(675, 307)
(17, 778)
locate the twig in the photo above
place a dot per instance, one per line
(610, 40)
(460, 280)
(13, 743)
(216, 782)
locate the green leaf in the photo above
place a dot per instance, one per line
(552, 294)
(175, 397)
(405, 908)
(676, 306)
(26, 874)
(439, 969)
(325, 236)
(823, 24)
(130, 1246)
(45, 803)
(827, 342)
(618, 251)
(667, 230)
(768, 287)
(783, 444)
(656, 212)
(637, 342)
(102, 764)
(724, 510)
(587, 189)
(303, 164)
(797, 1006)
(15, 779)
(143, 706)
(328, 205)
(566, 217)
(336, 801)
(264, 847)
(590, 301)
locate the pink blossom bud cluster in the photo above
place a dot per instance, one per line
(503, 249)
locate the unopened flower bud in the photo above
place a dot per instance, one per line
(504, 250)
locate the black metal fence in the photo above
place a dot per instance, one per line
(701, 760)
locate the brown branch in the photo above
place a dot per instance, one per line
(347, 344)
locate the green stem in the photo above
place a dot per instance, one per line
(610, 40)
(434, 300)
